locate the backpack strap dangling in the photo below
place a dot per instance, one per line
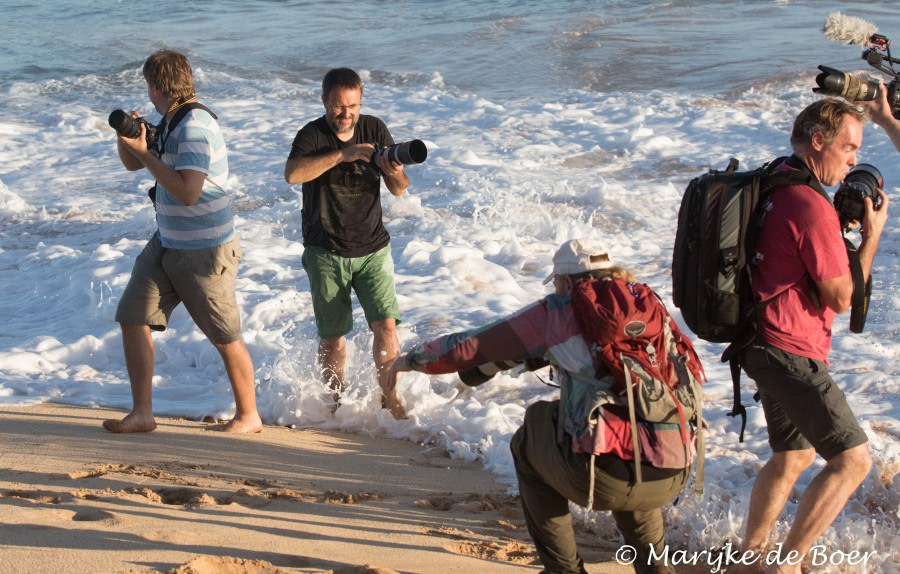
(701, 450)
(737, 408)
(632, 418)
(593, 475)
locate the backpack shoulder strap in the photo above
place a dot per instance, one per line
(179, 115)
(799, 175)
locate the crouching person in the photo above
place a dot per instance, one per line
(622, 365)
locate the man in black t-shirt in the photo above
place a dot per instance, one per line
(346, 246)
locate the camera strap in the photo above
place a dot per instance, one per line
(176, 119)
(183, 109)
(862, 291)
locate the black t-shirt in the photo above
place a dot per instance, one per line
(342, 207)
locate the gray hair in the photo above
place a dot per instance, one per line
(824, 117)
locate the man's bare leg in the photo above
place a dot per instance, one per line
(239, 367)
(823, 501)
(139, 360)
(332, 357)
(385, 349)
(770, 493)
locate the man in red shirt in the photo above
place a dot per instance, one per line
(801, 268)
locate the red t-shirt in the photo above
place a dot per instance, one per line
(800, 239)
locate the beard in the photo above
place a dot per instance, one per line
(342, 125)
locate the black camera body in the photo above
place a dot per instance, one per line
(836, 83)
(863, 181)
(129, 127)
(475, 376)
(407, 153)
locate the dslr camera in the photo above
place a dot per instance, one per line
(481, 374)
(836, 83)
(130, 127)
(863, 181)
(407, 153)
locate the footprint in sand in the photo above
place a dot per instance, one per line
(366, 569)
(132, 470)
(341, 497)
(33, 495)
(96, 515)
(189, 497)
(450, 532)
(502, 524)
(221, 564)
(514, 552)
(170, 536)
(327, 497)
(257, 483)
(474, 503)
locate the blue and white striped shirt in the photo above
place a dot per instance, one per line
(196, 143)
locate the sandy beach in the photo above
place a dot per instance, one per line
(74, 498)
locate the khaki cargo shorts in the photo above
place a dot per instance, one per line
(202, 279)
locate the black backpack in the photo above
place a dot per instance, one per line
(714, 241)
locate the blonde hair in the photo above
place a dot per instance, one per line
(615, 272)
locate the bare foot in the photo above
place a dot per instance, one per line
(332, 401)
(130, 424)
(392, 402)
(249, 425)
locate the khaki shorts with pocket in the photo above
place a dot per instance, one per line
(202, 279)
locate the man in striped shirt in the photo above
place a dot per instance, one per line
(193, 256)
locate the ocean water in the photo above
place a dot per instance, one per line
(544, 121)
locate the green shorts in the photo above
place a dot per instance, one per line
(331, 278)
(202, 279)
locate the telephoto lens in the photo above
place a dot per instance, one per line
(836, 83)
(475, 376)
(124, 124)
(483, 373)
(407, 153)
(129, 127)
